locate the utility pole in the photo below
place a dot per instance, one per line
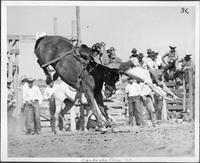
(55, 20)
(78, 25)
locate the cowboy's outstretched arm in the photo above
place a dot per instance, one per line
(163, 58)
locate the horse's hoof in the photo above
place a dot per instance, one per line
(114, 130)
(86, 130)
(103, 130)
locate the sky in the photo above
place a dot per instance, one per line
(124, 27)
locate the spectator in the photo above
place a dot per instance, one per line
(134, 57)
(48, 95)
(10, 100)
(32, 98)
(111, 53)
(134, 102)
(149, 52)
(134, 53)
(142, 62)
(151, 61)
(170, 59)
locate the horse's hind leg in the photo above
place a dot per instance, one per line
(87, 119)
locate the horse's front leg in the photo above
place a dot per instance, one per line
(103, 108)
(92, 102)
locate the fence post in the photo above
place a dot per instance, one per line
(184, 94)
(191, 107)
(164, 110)
(72, 119)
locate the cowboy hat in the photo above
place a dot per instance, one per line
(112, 48)
(149, 50)
(140, 55)
(9, 81)
(23, 78)
(30, 79)
(40, 34)
(156, 52)
(172, 47)
(187, 57)
(134, 50)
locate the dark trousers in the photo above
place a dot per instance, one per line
(158, 106)
(135, 109)
(32, 117)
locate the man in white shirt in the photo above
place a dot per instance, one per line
(147, 98)
(32, 98)
(49, 90)
(133, 95)
(151, 61)
(48, 95)
(10, 100)
(142, 61)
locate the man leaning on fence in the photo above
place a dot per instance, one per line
(32, 98)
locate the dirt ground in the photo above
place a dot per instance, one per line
(165, 140)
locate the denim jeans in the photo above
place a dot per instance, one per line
(135, 109)
(32, 117)
(150, 108)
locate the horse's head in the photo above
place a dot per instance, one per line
(111, 77)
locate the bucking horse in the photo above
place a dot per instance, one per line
(76, 67)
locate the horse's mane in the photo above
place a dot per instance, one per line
(126, 65)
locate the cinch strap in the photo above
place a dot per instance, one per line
(58, 58)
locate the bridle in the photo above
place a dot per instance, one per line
(110, 88)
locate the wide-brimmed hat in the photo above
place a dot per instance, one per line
(140, 55)
(149, 50)
(172, 47)
(156, 52)
(30, 79)
(134, 50)
(23, 78)
(188, 56)
(112, 48)
(9, 81)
